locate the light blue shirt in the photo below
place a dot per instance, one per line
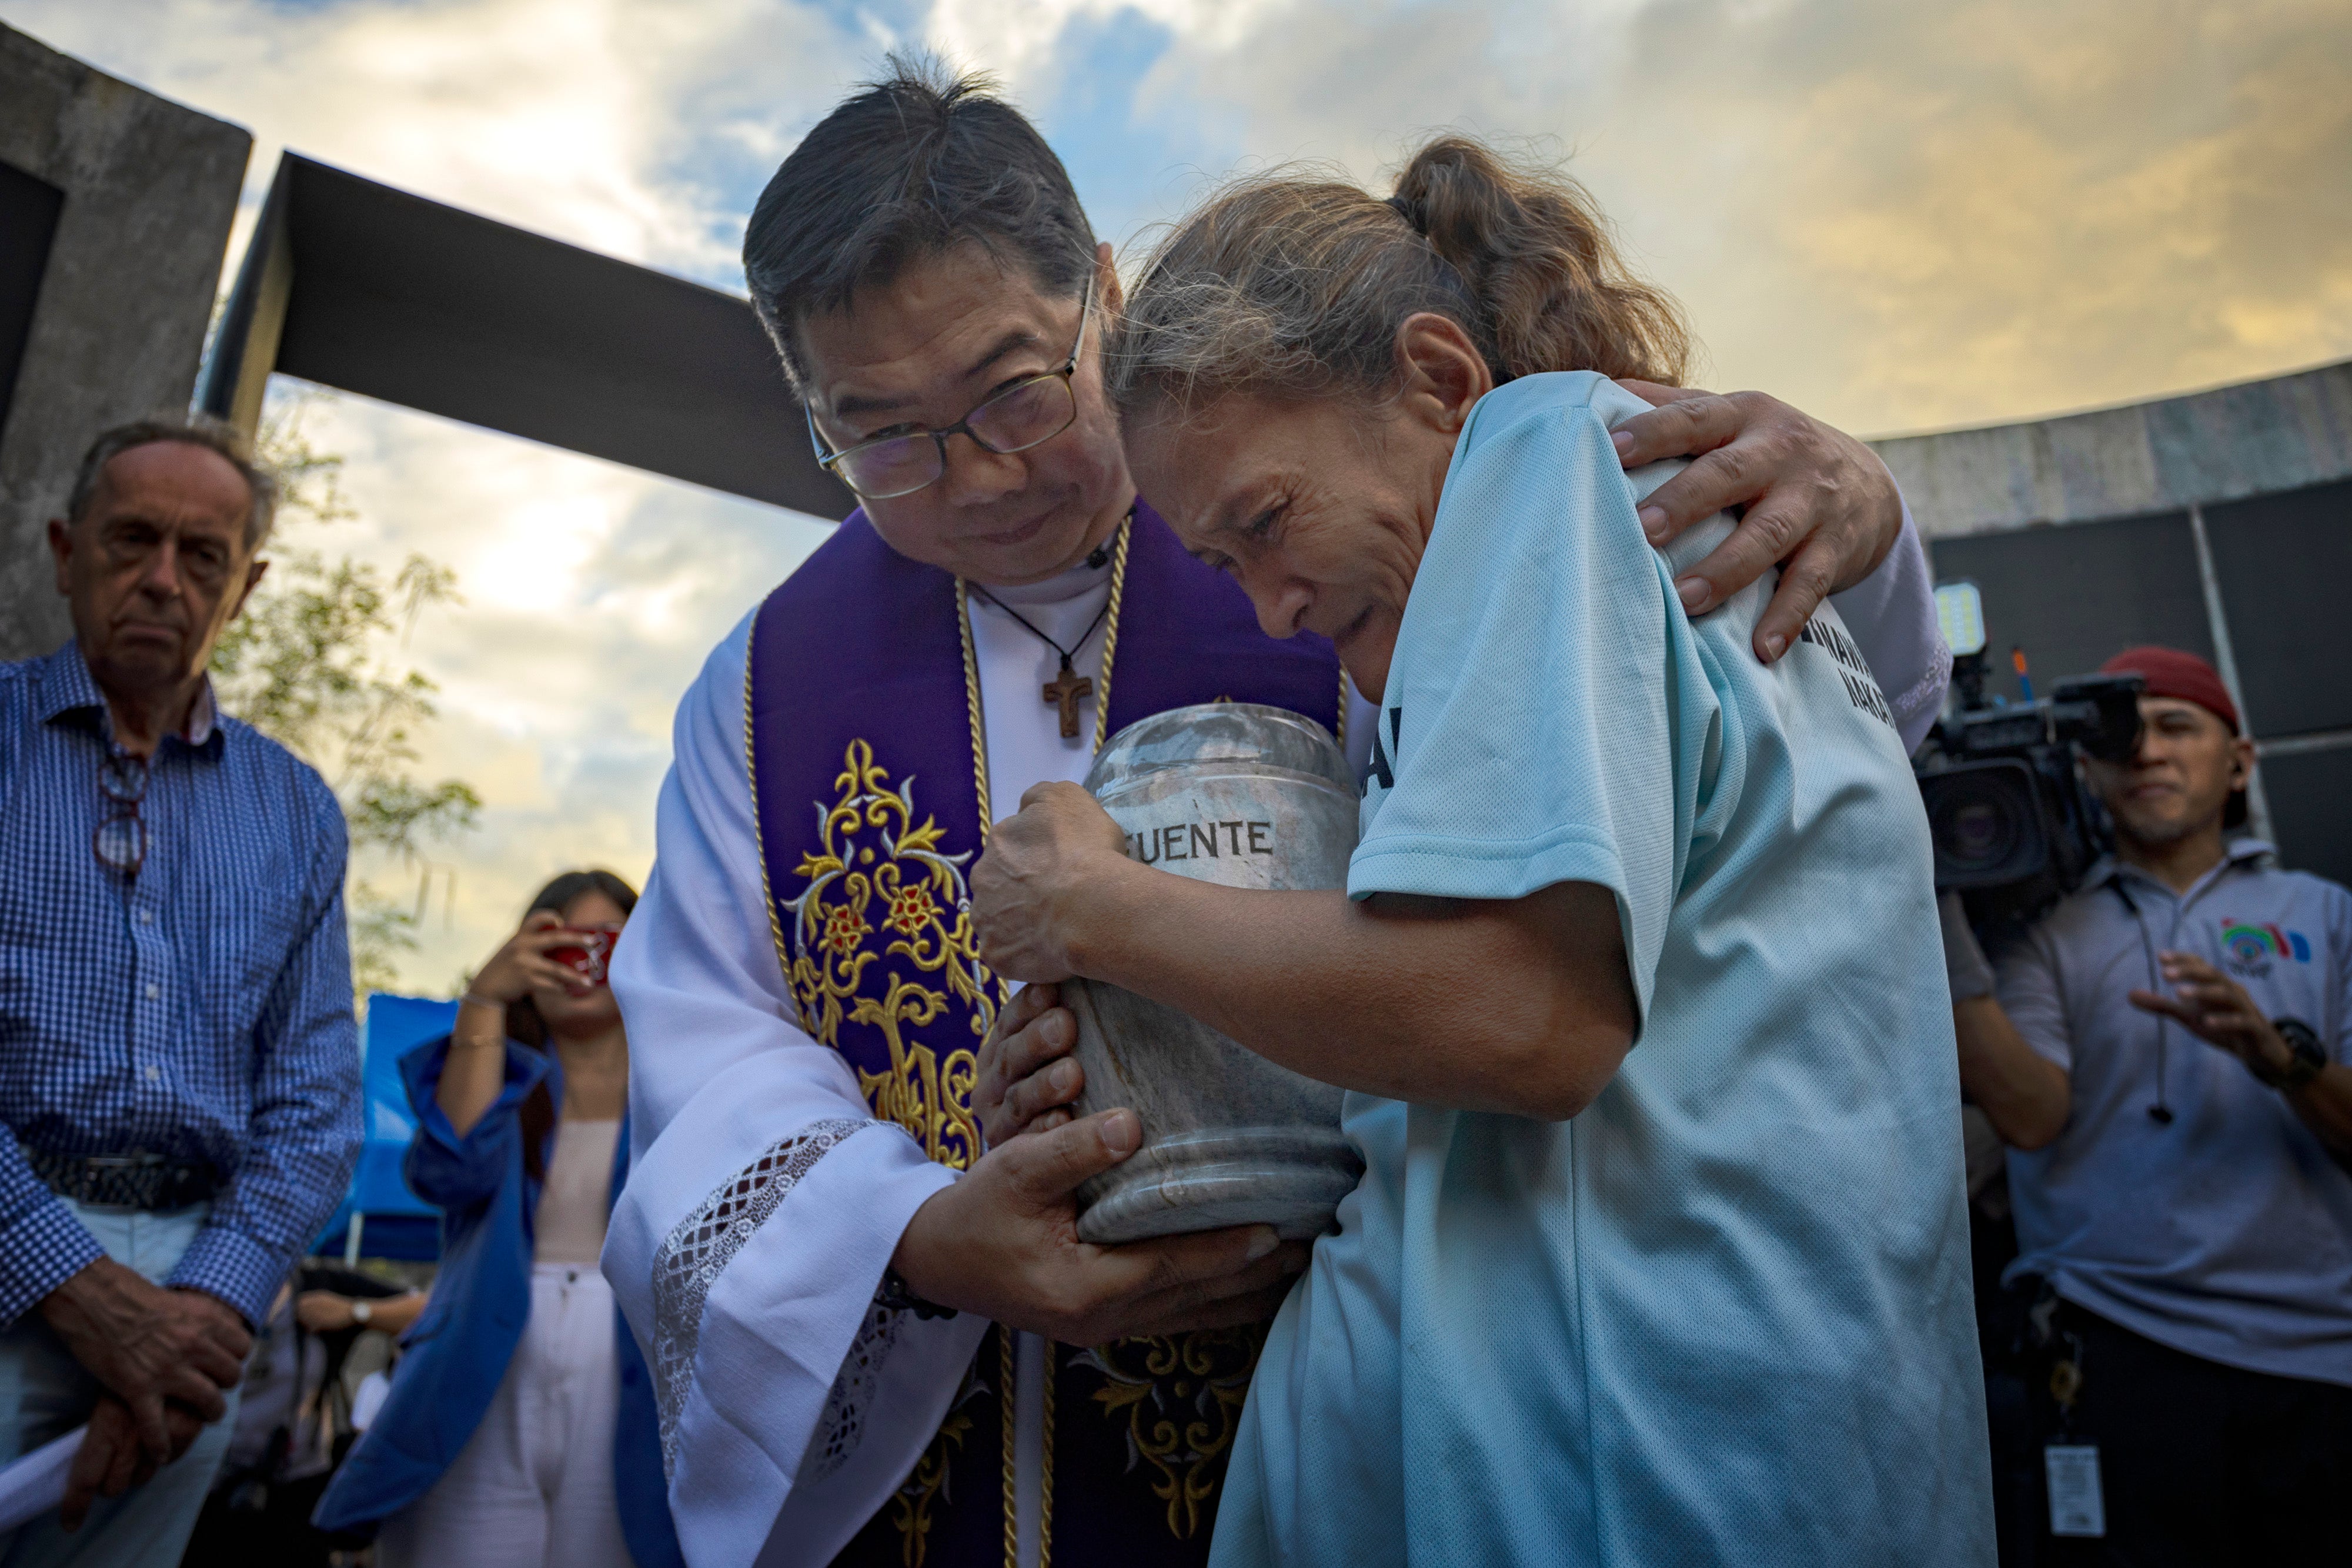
(1723, 1315)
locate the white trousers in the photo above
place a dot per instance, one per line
(534, 1485)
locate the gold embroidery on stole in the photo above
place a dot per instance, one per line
(910, 1505)
(911, 899)
(878, 875)
(1181, 1397)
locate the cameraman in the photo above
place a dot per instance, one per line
(2165, 1054)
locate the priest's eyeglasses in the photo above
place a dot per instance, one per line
(1029, 413)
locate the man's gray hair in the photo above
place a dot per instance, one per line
(195, 430)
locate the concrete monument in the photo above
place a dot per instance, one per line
(115, 208)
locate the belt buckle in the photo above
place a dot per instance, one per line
(96, 1168)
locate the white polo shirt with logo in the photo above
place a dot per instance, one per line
(2225, 1233)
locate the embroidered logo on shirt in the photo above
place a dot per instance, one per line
(2252, 945)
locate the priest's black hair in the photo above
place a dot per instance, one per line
(907, 167)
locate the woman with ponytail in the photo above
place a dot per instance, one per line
(1660, 1254)
(520, 1428)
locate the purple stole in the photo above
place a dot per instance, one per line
(862, 709)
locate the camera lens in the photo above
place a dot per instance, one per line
(1976, 830)
(1987, 821)
(1976, 834)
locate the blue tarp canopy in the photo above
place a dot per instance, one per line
(393, 1221)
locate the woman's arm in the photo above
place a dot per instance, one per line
(447, 1168)
(476, 1066)
(325, 1312)
(1522, 1006)
(471, 1077)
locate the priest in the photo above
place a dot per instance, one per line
(873, 1338)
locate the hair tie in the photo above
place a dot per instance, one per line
(1410, 211)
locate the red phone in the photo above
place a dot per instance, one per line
(591, 954)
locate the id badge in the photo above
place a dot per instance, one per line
(2076, 1508)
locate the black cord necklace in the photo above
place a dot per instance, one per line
(1068, 688)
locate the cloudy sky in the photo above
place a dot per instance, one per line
(1898, 215)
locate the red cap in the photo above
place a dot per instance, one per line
(2170, 672)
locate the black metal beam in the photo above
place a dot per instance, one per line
(358, 285)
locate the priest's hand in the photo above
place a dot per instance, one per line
(1819, 502)
(1026, 1079)
(1030, 891)
(1003, 1243)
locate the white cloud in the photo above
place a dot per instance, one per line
(1898, 216)
(604, 122)
(1021, 41)
(593, 592)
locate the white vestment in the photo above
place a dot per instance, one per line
(764, 1200)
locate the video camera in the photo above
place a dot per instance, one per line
(2014, 825)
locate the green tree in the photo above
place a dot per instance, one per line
(315, 662)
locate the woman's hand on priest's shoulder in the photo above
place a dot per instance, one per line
(1036, 893)
(1026, 1077)
(1819, 504)
(1001, 1242)
(521, 963)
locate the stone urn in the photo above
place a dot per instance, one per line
(1251, 796)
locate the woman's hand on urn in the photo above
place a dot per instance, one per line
(1003, 1243)
(1030, 889)
(1026, 1079)
(522, 963)
(1817, 499)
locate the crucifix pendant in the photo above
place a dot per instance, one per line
(1066, 690)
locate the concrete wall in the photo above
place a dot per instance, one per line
(2219, 522)
(2219, 445)
(151, 189)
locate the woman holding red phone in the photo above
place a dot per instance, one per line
(521, 1426)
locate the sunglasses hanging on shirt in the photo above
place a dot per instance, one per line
(120, 839)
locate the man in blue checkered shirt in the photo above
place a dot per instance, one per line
(179, 1068)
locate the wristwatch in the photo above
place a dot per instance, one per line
(2308, 1060)
(362, 1312)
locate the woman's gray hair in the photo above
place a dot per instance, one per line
(195, 430)
(1294, 284)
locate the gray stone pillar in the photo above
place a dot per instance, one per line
(115, 208)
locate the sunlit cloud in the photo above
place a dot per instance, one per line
(1899, 217)
(625, 127)
(592, 593)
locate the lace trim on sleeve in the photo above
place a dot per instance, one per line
(844, 1422)
(698, 1249)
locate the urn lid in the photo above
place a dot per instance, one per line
(1248, 734)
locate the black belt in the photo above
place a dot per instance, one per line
(125, 1181)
